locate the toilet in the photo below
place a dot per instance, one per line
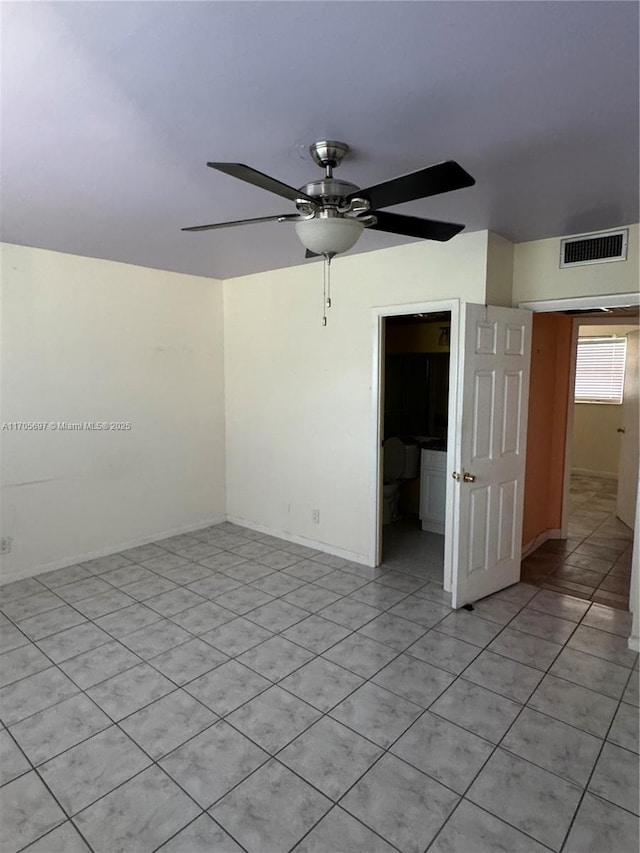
(401, 462)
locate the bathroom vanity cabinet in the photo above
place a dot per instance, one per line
(433, 490)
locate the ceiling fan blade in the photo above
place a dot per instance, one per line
(288, 217)
(412, 226)
(441, 178)
(258, 179)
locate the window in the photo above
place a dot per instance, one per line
(600, 370)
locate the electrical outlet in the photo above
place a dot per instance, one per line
(5, 545)
(315, 516)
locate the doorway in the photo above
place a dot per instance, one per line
(582, 548)
(414, 428)
(490, 349)
(381, 315)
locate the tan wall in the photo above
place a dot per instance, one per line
(546, 436)
(595, 442)
(537, 274)
(500, 259)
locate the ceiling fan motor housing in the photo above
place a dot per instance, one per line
(329, 190)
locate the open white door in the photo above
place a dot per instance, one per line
(630, 415)
(493, 392)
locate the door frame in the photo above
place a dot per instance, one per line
(555, 306)
(618, 300)
(379, 315)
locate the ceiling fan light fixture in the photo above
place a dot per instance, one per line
(329, 236)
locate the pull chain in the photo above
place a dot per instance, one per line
(326, 292)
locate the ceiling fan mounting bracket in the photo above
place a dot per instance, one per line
(328, 153)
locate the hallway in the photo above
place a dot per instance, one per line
(594, 563)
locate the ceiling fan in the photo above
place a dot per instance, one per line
(333, 213)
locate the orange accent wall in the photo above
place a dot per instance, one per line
(546, 436)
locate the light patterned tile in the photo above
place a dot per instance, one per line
(190, 660)
(212, 763)
(149, 806)
(553, 745)
(377, 714)
(168, 723)
(91, 769)
(12, 760)
(473, 829)
(201, 836)
(413, 679)
(339, 830)
(615, 777)
(97, 665)
(28, 811)
(235, 637)
(509, 678)
(573, 704)
(129, 691)
(481, 711)
(527, 797)
(32, 694)
(273, 719)
(227, 687)
(55, 729)
(21, 662)
(321, 683)
(444, 651)
(601, 826)
(401, 804)
(330, 756)
(271, 810)
(592, 672)
(361, 655)
(275, 658)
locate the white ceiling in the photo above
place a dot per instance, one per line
(110, 111)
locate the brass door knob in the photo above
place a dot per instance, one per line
(468, 478)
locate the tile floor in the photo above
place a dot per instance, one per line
(594, 563)
(227, 691)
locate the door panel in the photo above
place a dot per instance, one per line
(493, 387)
(630, 416)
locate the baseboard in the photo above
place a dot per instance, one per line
(21, 574)
(587, 472)
(634, 643)
(302, 540)
(539, 540)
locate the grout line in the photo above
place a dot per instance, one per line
(595, 764)
(317, 655)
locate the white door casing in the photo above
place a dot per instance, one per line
(490, 449)
(629, 417)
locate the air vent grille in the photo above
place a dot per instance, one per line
(594, 248)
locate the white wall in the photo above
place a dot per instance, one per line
(299, 396)
(537, 274)
(93, 340)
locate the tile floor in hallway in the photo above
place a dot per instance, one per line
(595, 561)
(227, 691)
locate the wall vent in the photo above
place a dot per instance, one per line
(598, 248)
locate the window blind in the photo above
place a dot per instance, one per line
(600, 370)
